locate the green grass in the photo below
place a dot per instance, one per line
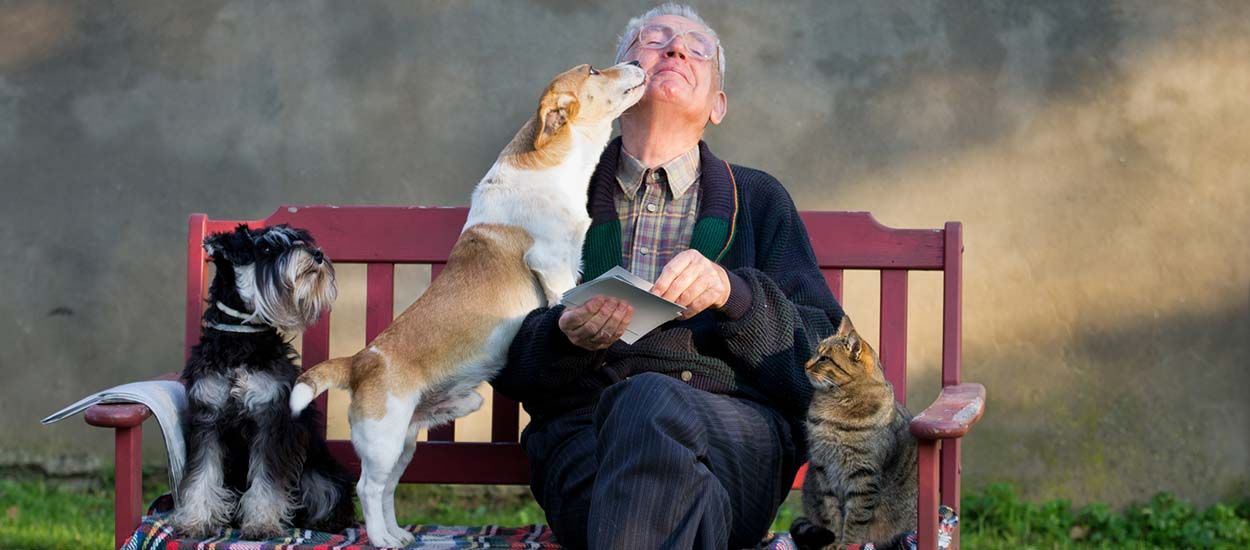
(997, 518)
(41, 513)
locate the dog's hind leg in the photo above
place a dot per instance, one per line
(379, 443)
(388, 497)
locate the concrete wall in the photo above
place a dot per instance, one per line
(1097, 153)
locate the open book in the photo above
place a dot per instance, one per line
(650, 311)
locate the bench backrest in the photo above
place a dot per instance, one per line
(383, 236)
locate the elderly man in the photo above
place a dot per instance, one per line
(691, 436)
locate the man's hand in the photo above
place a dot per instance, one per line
(597, 323)
(692, 281)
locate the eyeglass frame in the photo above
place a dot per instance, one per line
(638, 40)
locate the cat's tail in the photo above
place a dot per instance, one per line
(809, 535)
(335, 373)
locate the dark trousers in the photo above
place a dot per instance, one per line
(658, 464)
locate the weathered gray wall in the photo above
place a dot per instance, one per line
(1097, 153)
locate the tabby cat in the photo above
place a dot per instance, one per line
(861, 478)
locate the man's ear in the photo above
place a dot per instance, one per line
(720, 105)
(554, 112)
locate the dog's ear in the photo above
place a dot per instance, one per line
(212, 246)
(554, 113)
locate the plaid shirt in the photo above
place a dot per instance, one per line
(658, 209)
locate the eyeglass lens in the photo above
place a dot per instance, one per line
(658, 36)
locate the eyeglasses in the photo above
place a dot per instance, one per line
(657, 36)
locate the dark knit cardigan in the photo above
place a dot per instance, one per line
(778, 310)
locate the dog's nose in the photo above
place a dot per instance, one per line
(317, 256)
(635, 63)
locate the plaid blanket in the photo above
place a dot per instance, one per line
(155, 533)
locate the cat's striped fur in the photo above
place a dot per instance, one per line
(861, 478)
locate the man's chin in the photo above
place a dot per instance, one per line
(669, 91)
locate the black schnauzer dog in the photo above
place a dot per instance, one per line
(249, 463)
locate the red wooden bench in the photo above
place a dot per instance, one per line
(383, 236)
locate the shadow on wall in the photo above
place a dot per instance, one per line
(1107, 288)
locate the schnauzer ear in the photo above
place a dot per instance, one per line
(212, 246)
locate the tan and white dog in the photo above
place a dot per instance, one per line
(520, 249)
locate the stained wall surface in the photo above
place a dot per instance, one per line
(1098, 154)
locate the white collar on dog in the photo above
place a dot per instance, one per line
(236, 328)
(247, 318)
(248, 321)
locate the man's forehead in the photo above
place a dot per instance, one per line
(678, 22)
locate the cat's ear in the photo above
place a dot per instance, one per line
(844, 326)
(857, 347)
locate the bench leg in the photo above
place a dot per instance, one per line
(952, 467)
(127, 484)
(927, 504)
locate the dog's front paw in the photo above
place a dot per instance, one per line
(192, 527)
(261, 531)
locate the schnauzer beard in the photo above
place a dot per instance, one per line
(292, 292)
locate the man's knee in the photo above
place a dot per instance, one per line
(645, 387)
(649, 403)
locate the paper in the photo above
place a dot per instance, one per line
(650, 311)
(168, 401)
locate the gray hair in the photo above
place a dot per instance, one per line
(682, 10)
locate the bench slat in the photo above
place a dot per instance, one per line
(833, 278)
(316, 349)
(379, 298)
(463, 462)
(855, 240)
(894, 330)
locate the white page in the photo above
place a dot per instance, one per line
(650, 311)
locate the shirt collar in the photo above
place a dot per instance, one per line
(681, 172)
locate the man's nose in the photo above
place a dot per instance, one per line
(673, 50)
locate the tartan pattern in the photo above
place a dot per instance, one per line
(658, 209)
(155, 533)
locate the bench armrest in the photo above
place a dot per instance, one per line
(121, 415)
(117, 415)
(952, 414)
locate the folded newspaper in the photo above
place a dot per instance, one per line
(168, 401)
(650, 311)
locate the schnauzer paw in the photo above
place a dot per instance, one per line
(256, 531)
(193, 528)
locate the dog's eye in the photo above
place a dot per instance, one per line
(593, 72)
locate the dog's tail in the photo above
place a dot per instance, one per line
(334, 373)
